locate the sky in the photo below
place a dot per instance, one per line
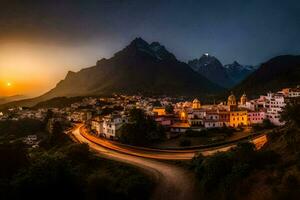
(40, 41)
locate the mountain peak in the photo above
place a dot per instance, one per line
(210, 67)
(206, 60)
(139, 42)
(235, 63)
(140, 47)
(161, 52)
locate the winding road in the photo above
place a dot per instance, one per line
(172, 182)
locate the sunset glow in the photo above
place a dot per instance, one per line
(34, 68)
(172, 100)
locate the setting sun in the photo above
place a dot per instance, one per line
(8, 84)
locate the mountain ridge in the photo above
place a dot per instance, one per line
(276, 73)
(140, 67)
(225, 75)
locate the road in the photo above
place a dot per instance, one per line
(172, 181)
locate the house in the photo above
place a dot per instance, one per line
(112, 124)
(256, 117)
(238, 118)
(211, 123)
(275, 102)
(179, 127)
(97, 125)
(159, 111)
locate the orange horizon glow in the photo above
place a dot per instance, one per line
(31, 69)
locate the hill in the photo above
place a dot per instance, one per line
(273, 75)
(58, 102)
(4, 100)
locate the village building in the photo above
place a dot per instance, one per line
(112, 124)
(256, 117)
(274, 104)
(159, 111)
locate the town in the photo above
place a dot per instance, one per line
(105, 116)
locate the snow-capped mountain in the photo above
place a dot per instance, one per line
(226, 76)
(210, 67)
(238, 72)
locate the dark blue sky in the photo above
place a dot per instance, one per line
(249, 31)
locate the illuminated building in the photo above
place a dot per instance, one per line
(224, 117)
(196, 104)
(256, 117)
(275, 102)
(231, 103)
(183, 115)
(179, 127)
(243, 100)
(112, 124)
(238, 118)
(212, 120)
(159, 111)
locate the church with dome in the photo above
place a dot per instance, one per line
(195, 116)
(237, 116)
(196, 104)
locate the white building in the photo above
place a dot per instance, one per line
(294, 92)
(210, 123)
(97, 126)
(112, 124)
(274, 105)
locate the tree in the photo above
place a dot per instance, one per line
(51, 175)
(13, 157)
(169, 109)
(57, 136)
(141, 130)
(291, 112)
(48, 116)
(156, 104)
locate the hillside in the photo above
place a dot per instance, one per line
(273, 75)
(4, 100)
(58, 102)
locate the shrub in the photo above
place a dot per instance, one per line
(192, 133)
(185, 142)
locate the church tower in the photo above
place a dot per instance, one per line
(231, 102)
(196, 104)
(243, 99)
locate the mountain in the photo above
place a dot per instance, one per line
(210, 67)
(238, 72)
(273, 75)
(4, 100)
(138, 68)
